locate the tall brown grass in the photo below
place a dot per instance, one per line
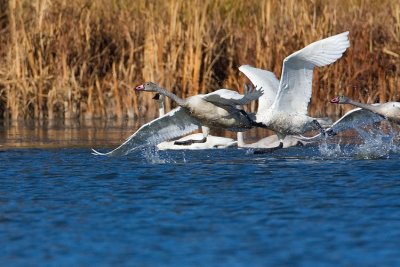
(80, 59)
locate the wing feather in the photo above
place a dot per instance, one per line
(232, 98)
(353, 119)
(262, 79)
(175, 123)
(295, 86)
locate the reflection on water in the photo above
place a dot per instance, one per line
(84, 133)
(72, 133)
(370, 142)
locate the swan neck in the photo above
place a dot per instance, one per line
(172, 96)
(362, 105)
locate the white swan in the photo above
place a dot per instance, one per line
(389, 110)
(271, 84)
(270, 87)
(211, 141)
(287, 113)
(217, 109)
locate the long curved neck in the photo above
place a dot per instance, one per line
(178, 100)
(363, 106)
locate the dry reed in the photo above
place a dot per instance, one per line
(80, 59)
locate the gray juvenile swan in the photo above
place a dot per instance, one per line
(217, 109)
(388, 110)
(287, 113)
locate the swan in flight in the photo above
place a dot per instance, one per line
(389, 110)
(271, 142)
(211, 141)
(285, 110)
(214, 110)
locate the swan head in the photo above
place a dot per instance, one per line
(340, 100)
(148, 87)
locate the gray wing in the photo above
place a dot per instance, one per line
(353, 119)
(175, 123)
(231, 98)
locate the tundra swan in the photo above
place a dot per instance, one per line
(214, 110)
(287, 113)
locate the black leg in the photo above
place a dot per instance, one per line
(330, 133)
(299, 144)
(268, 150)
(319, 127)
(253, 122)
(189, 142)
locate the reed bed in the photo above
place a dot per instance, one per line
(80, 59)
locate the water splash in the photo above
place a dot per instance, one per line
(152, 155)
(374, 144)
(330, 151)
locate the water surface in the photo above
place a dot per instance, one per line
(314, 206)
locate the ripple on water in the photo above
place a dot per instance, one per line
(200, 208)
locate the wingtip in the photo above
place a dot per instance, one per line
(346, 40)
(97, 153)
(245, 66)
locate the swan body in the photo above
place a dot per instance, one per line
(216, 109)
(388, 110)
(287, 113)
(210, 143)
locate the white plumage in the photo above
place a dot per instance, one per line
(287, 115)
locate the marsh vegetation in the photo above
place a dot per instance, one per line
(80, 59)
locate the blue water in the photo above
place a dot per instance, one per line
(294, 207)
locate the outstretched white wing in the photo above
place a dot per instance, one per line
(353, 119)
(175, 123)
(295, 87)
(232, 98)
(262, 79)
